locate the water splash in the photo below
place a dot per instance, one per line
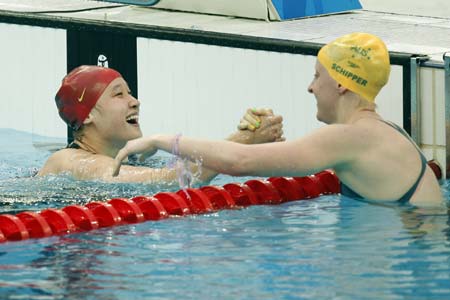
(185, 176)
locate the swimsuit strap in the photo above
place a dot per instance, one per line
(405, 198)
(347, 191)
(73, 145)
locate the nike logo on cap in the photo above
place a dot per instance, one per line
(82, 96)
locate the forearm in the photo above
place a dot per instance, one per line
(217, 156)
(133, 174)
(208, 174)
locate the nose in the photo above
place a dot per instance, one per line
(310, 89)
(134, 103)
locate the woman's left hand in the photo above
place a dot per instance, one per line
(252, 118)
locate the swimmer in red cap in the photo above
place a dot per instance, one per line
(375, 159)
(97, 104)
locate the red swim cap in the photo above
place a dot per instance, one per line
(79, 92)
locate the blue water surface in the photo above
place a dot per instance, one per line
(331, 247)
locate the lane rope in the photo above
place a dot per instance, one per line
(207, 199)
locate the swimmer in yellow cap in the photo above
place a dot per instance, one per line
(374, 159)
(99, 107)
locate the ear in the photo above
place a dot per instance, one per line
(342, 90)
(88, 120)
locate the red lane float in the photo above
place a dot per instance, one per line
(330, 182)
(151, 208)
(118, 211)
(82, 217)
(36, 224)
(264, 191)
(128, 210)
(13, 228)
(59, 221)
(241, 194)
(197, 201)
(311, 185)
(289, 188)
(219, 197)
(173, 203)
(105, 213)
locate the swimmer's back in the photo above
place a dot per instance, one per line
(387, 166)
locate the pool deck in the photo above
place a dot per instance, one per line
(410, 34)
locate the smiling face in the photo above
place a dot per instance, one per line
(326, 91)
(115, 117)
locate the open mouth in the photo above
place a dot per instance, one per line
(133, 120)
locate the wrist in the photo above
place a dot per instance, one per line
(175, 144)
(157, 140)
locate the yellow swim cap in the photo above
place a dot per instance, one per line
(359, 62)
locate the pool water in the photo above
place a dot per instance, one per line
(331, 247)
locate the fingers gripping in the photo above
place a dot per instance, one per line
(260, 111)
(273, 127)
(251, 120)
(121, 155)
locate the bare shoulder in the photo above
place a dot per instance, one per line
(83, 165)
(53, 163)
(347, 137)
(64, 161)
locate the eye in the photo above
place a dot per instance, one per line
(118, 94)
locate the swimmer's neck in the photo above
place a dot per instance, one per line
(98, 146)
(351, 109)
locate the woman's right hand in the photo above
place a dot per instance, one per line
(144, 146)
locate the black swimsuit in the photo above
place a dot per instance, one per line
(73, 145)
(346, 191)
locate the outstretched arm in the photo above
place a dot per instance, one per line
(325, 148)
(270, 130)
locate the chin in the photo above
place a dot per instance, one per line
(136, 132)
(136, 135)
(318, 117)
(131, 136)
(323, 120)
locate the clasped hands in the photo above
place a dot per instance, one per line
(261, 126)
